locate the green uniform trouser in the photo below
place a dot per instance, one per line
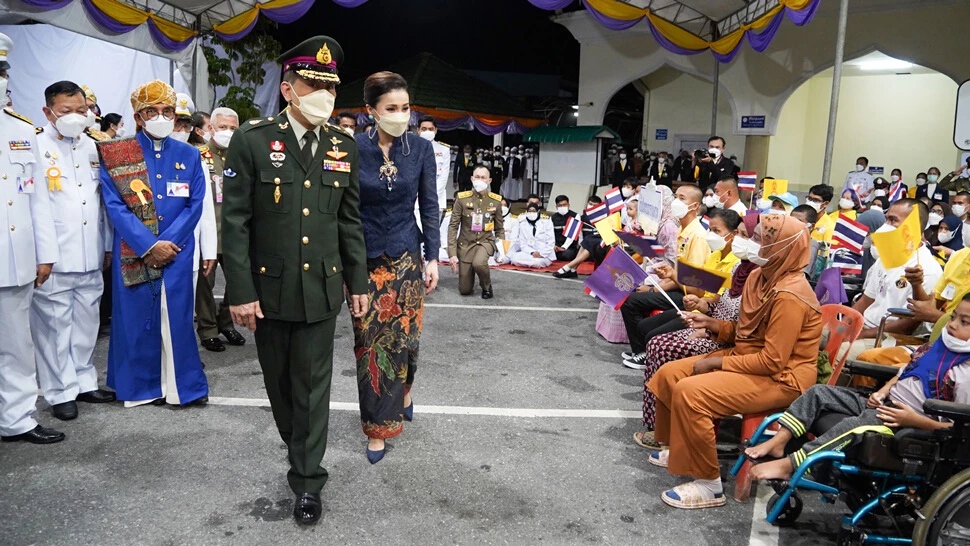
(297, 363)
(476, 264)
(209, 321)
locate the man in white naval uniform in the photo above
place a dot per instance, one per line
(65, 313)
(428, 130)
(28, 250)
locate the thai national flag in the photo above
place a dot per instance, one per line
(614, 200)
(572, 229)
(706, 223)
(849, 234)
(849, 262)
(897, 192)
(747, 181)
(597, 213)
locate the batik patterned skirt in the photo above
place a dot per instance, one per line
(386, 342)
(677, 345)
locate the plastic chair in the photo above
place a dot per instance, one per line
(844, 325)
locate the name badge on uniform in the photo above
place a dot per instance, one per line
(25, 185)
(217, 186)
(949, 292)
(478, 221)
(177, 188)
(337, 166)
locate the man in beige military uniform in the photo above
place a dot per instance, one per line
(476, 222)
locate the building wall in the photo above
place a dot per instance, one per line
(903, 122)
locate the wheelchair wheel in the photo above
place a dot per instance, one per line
(788, 514)
(947, 515)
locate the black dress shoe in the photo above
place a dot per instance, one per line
(234, 338)
(213, 344)
(307, 509)
(39, 435)
(487, 293)
(565, 275)
(97, 397)
(198, 402)
(65, 411)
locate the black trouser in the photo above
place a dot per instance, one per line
(297, 363)
(639, 325)
(567, 255)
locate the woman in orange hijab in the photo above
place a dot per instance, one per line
(772, 362)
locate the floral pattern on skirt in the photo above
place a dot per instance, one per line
(386, 343)
(676, 345)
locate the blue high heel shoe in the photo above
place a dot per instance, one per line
(375, 456)
(409, 412)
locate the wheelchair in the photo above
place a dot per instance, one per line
(909, 488)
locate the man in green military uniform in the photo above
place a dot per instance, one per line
(292, 238)
(476, 221)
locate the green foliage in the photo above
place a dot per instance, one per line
(248, 56)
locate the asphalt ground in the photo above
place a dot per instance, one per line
(522, 435)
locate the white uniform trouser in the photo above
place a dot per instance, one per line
(18, 380)
(526, 259)
(64, 321)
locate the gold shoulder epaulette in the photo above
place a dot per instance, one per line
(257, 122)
(38, 130)
(22, 118)
(344, 130)
(495, 196)
(203, 149)
(97, 135)
(544, 215)
(464, 194)
(443, 144)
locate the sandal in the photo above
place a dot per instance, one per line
(646, 440)
(691, 496)
(659, 458)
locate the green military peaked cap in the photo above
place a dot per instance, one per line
(315, 58)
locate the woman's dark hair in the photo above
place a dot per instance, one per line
(110, 119)
(379, 84)
(198, 121)
(883, 202)
(730, 218)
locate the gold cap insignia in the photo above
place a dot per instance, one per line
(323, 56)
(3, 52)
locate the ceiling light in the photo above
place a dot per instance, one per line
(576, 114)
(884, 64)
(575, 107)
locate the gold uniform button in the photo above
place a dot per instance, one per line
(336, 184)
(276, 181)
(12, 228)
(306, 184)
(306, 240)
(306, 212)
(262, 270)
(306, 267)
(158, 156)
(79, 184)
(159, 196)
(84, 223)
(334, 269)
(158, 176)
(10, 203)
(84, 202)
(76, 166)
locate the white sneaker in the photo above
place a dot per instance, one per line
(628, 355)
(638, 362)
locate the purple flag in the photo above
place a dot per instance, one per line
(698, 277)
(615, 278)
(829, 288)
(644, 246)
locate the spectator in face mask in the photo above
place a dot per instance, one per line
(819, 197)
(849, 204)
(727, 195)
(809, 216)
(880, 187)
(660, 171)
(933, 189)
(859, 180)
(961, 206)
(629, 188)
(897, 190)
(565, 248)
(920, 181)
(714, 165)
(949, 235)
(535, 245)
(880, 203)
(623, 169)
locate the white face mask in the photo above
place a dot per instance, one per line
(776, 211)
(879, 193)
(160, 127)
(894, 178)
(959, 210)
(785, 244)
(719, 202)
(846, 204)
(954, 344)
(710, 201)
(814, 205)
(206, 136)
(562, 210)
(427, 135)
(180, 136)
(876, 207)
(532, 216)
(678, 209)
(715, 153)
(744, 249)
(505, 210)
(965, 235)
(627, 193)
(860, 168)
(715, 241)
(935, 219)
(920, 181)
(316, 107)
(479, 185)
(120, 132)
(222, 138)
(92, 119)
(395, 124)
(622, 156)
(71, 125)
(945, 236)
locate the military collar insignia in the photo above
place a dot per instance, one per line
(336, 154)
(277, 146)
(335, 141)
(284, 126)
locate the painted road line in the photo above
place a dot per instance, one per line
(512, 308)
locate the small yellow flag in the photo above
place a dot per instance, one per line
(606, 226)
(896, 247)
(774, 187)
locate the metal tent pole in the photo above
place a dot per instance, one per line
(836, 85)
(717, 79)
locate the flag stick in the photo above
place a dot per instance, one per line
(662, 291)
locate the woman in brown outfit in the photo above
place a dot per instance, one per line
(772, 362)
